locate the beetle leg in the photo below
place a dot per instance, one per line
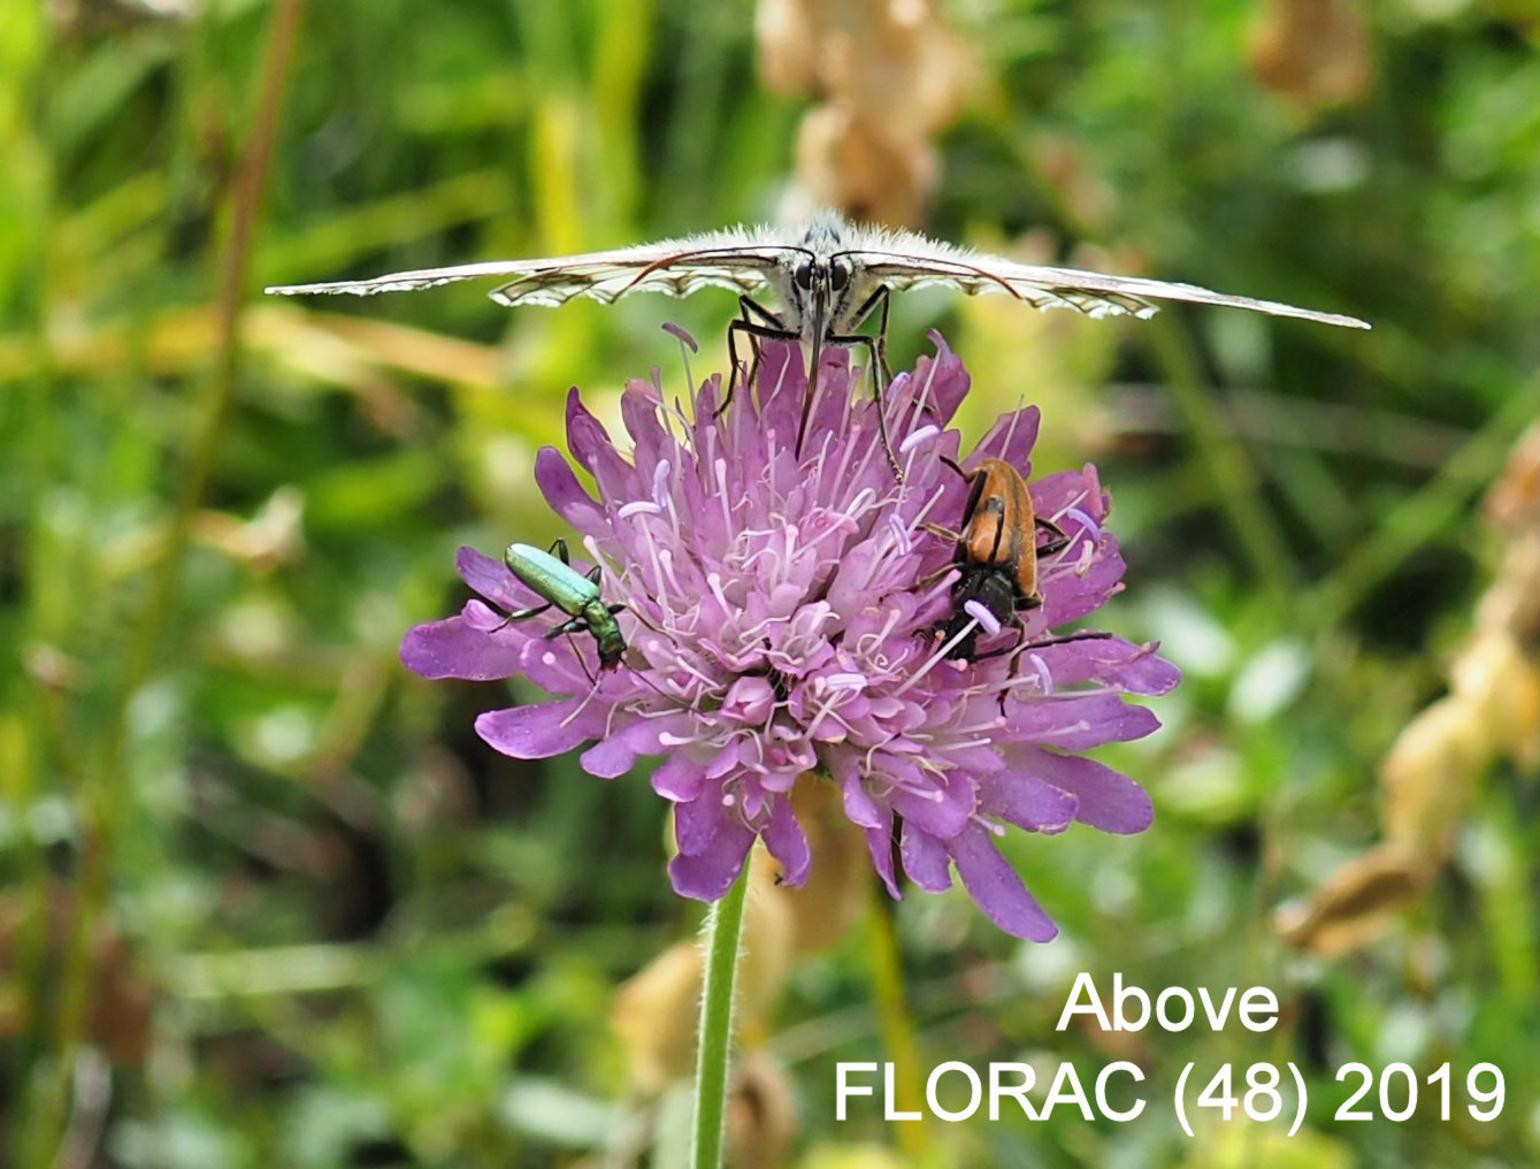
(944, 532)
(526, 614)
(1058, 543)
(576, 625)
(931, 578)
(559, 549)
(1082, 635)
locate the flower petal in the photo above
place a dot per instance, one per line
(1027, 802)
(944, 807)
(1077, 724)
(925, 859)
(1110, 661)
(553, 664)
(860, 808)
(1011, 438)
(718, 844)
(492, 579)
(697, 822)
(1105, 798)
(452, 649)
(609, 758)
(559, 484)
(679, 779)
(998, 888)
(879, 842)
(541, 730)
(586, 436)
(940, 384)
(788, 843)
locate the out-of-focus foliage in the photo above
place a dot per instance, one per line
(339, 931)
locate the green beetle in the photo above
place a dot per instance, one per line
(554, 578)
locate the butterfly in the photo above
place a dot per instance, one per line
(829, 277)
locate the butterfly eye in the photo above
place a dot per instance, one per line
(804, 276)
(839, 275)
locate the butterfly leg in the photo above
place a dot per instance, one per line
(877, 357)
(878, 343)
(756, 333)
(767, 326)
(882, 333)
(870, 345)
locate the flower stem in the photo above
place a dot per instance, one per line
(724, 925)
(894, 1023)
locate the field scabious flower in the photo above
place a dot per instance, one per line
(782, 613)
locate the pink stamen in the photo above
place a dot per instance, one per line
(1042, 672)
(922, 435)
(938, 657)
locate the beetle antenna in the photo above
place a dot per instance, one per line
(955, 465)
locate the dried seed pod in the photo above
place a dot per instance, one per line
(844, 161)
(1429, 775)
(1356, 903)
(761, 1113)
(1315, 53)
(889, 75)
(656, 1011)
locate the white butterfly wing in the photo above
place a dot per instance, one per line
(741, 270)
(1093, 293)
(674, 267)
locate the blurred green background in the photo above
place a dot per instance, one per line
(268, 901)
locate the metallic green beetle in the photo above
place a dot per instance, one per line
(554, 578)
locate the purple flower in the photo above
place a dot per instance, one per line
(782, 621)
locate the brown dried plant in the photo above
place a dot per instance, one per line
(1431, 773)
(1313, 53)
(888, 75)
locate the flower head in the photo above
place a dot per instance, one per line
(791, 618)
